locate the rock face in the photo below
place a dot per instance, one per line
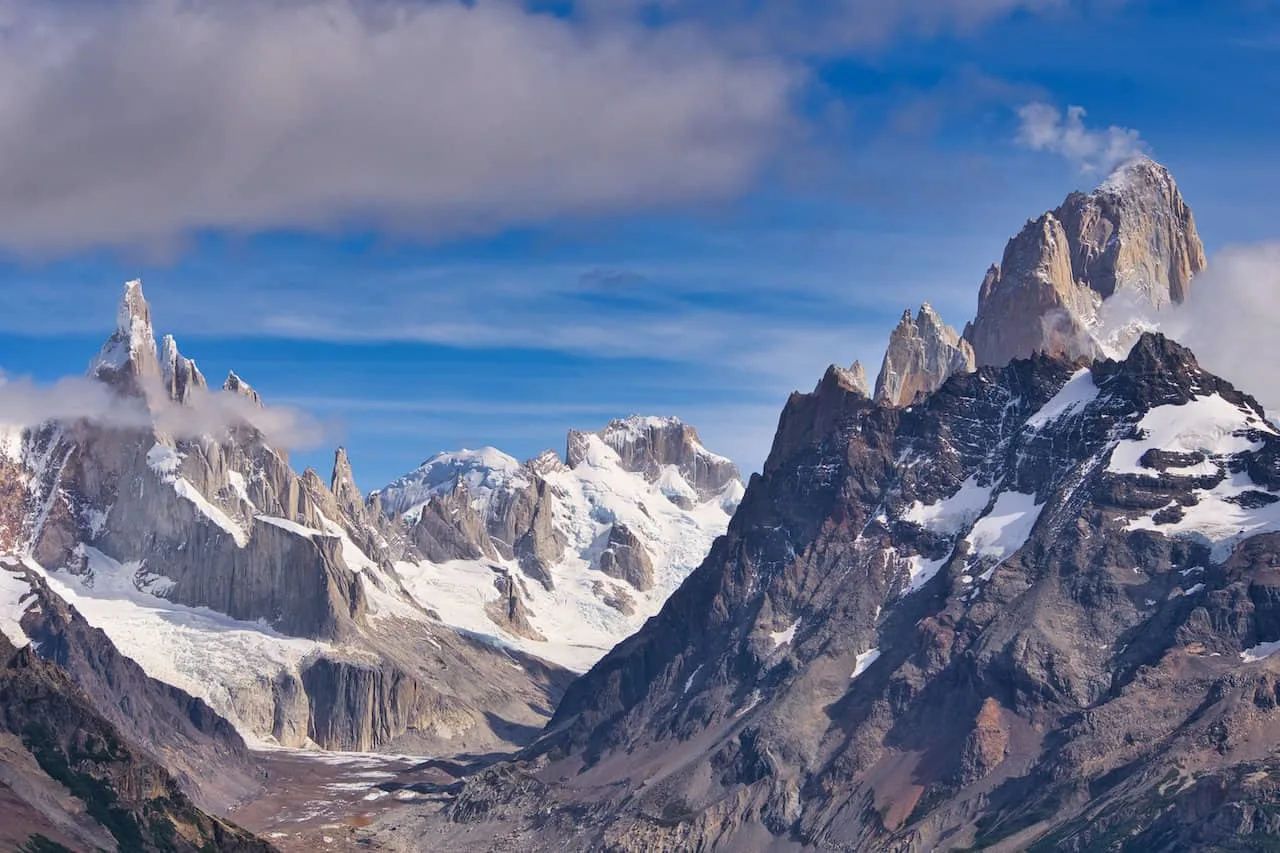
(68, 777)
(625, 558)
(608, 531)
(923, 353)
(180, 732)
(1036, 610)
(1133, 239)
(649, 445)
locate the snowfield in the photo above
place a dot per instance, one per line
(577, 625)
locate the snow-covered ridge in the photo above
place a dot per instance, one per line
(482, 472)
(577, 611)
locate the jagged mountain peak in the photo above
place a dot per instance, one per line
(1134, 235)
(1138, 176)
(179, 374)
(236, 385)
(647, 445)
(853, 377)
(129, 354)
(946, 624)
(923, 351)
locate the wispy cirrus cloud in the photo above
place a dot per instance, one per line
(1043, 127)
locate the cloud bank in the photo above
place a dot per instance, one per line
(1043, 127)
(24, 403)
(139, 121)
(1230, 319)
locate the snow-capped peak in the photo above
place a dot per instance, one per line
(236, 385)
(132, 345)
(1134, 175)
(481, 471)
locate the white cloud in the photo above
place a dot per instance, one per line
(25, 403)
(140, 121)
(1230, 319)
(1044, 128)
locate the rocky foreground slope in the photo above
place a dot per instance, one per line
(70, 780)
(1036, 609)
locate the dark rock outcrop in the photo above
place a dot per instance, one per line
(950, 627)
(625, 558)
(73, 779)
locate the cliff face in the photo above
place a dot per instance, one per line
(185, 536)
(923, 352)
(1133, 238)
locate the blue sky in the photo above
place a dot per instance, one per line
(432, 225)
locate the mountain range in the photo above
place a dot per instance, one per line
(1019, 594)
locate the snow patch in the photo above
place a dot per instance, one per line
(1079, 392)
(211, 512)
(14, 592)
(864, 661)
(1005, 528)
(688, 682)
(239, 486)
(922, 571)
(1259, 652)
(165, 461)
(781, 638)
(285, 524)
(1206, 425)
(1220, 518)
(951, 515)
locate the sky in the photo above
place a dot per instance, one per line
(428, 225)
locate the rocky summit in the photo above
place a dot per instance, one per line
(922, 353)
(1081, 281)
(1132, 239)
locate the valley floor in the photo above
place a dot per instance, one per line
(319, 800)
